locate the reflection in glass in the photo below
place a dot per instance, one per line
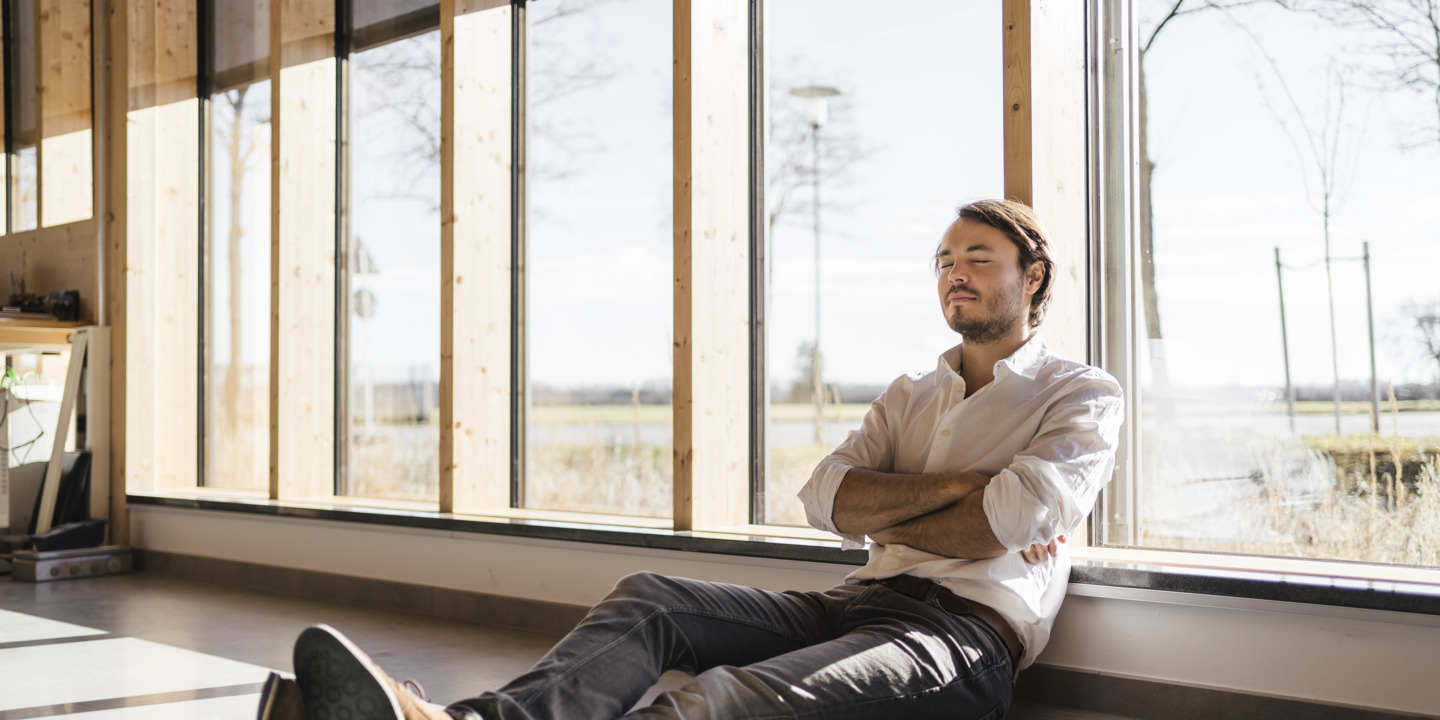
(393, 271)
(237, 323)
(237, 250)
(1236, 186)
(25, 117)
(909, 137)
(598, 238)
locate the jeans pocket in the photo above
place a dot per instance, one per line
(996, 714)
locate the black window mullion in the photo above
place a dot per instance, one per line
(759, 383)
(10, 164)
(519, 390)
(344, 45)
(205, 41)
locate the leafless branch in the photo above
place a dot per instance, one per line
(1178, 11)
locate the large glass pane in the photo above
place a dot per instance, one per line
(1300, 141)
(393, 271)
(598, 233)
(879, 125)
(237, 307)
(25, 114)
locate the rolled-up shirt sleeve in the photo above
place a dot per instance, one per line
(1049, 487)
(871, 447)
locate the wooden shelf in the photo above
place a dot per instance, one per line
(21, 335)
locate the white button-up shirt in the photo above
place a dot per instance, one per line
(1045, 430)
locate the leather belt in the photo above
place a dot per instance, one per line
(919, 588)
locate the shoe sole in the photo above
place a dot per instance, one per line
(269, 697)
(338, 681)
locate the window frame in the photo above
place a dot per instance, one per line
(1108, 328)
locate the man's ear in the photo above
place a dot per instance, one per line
(1034, 275)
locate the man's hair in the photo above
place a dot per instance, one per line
(1019, 223)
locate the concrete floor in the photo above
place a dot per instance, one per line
(154, 646)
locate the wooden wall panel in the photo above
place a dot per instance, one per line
(1045, 153)
(176, 276)
(140, 301)
(711, 198)
(303, 263)
(161, 278)
(54, 258)
(67, 192)
(475, 251)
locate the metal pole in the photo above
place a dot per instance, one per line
(819, 387)
(1285, 342)
(1334, 337)
(1370, 323)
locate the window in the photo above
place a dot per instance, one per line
(23, 115)
(598, 262)
(872, 141)
(236, 324)
(392, 296)
(1285, 334)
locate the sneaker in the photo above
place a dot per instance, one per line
(280, 699)
(337, 680)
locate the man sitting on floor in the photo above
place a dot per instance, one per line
(967, 480)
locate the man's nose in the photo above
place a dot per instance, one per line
(956, 275)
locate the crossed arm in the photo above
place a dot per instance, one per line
(939, 513)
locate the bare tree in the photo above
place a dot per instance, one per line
(1404, 43)
(1426, 317)
(236, 132)
(1321, 148)
(1151, 300)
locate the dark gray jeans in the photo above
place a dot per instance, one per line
(849, 652)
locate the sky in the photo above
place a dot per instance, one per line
(1230, 187)
(921, 101)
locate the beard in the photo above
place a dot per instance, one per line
(1003, 310)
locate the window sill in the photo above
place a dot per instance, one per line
(750, 541)
(1314, 582)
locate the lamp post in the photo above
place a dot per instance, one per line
(819, 97)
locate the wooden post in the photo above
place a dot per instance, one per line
(116, 188)
(475, 171)
(1045, 149)
(161, 263)
(711, 195)
(302, 249)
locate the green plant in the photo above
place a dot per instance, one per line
(10, 378)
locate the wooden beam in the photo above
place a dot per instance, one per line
(66, 185)
(1045, 149)
(475, 257)
(302, 249)
(115, 185)
(712, 289)
(161, 261)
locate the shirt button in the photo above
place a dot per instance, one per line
(944, 433)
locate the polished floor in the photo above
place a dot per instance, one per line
(156, 647)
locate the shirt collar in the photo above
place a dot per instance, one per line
(1026, 361)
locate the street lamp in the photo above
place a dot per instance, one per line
(819, 97)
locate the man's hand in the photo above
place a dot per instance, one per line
(1037, 552)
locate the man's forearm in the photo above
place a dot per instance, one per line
(868, 501)
(960, 530)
